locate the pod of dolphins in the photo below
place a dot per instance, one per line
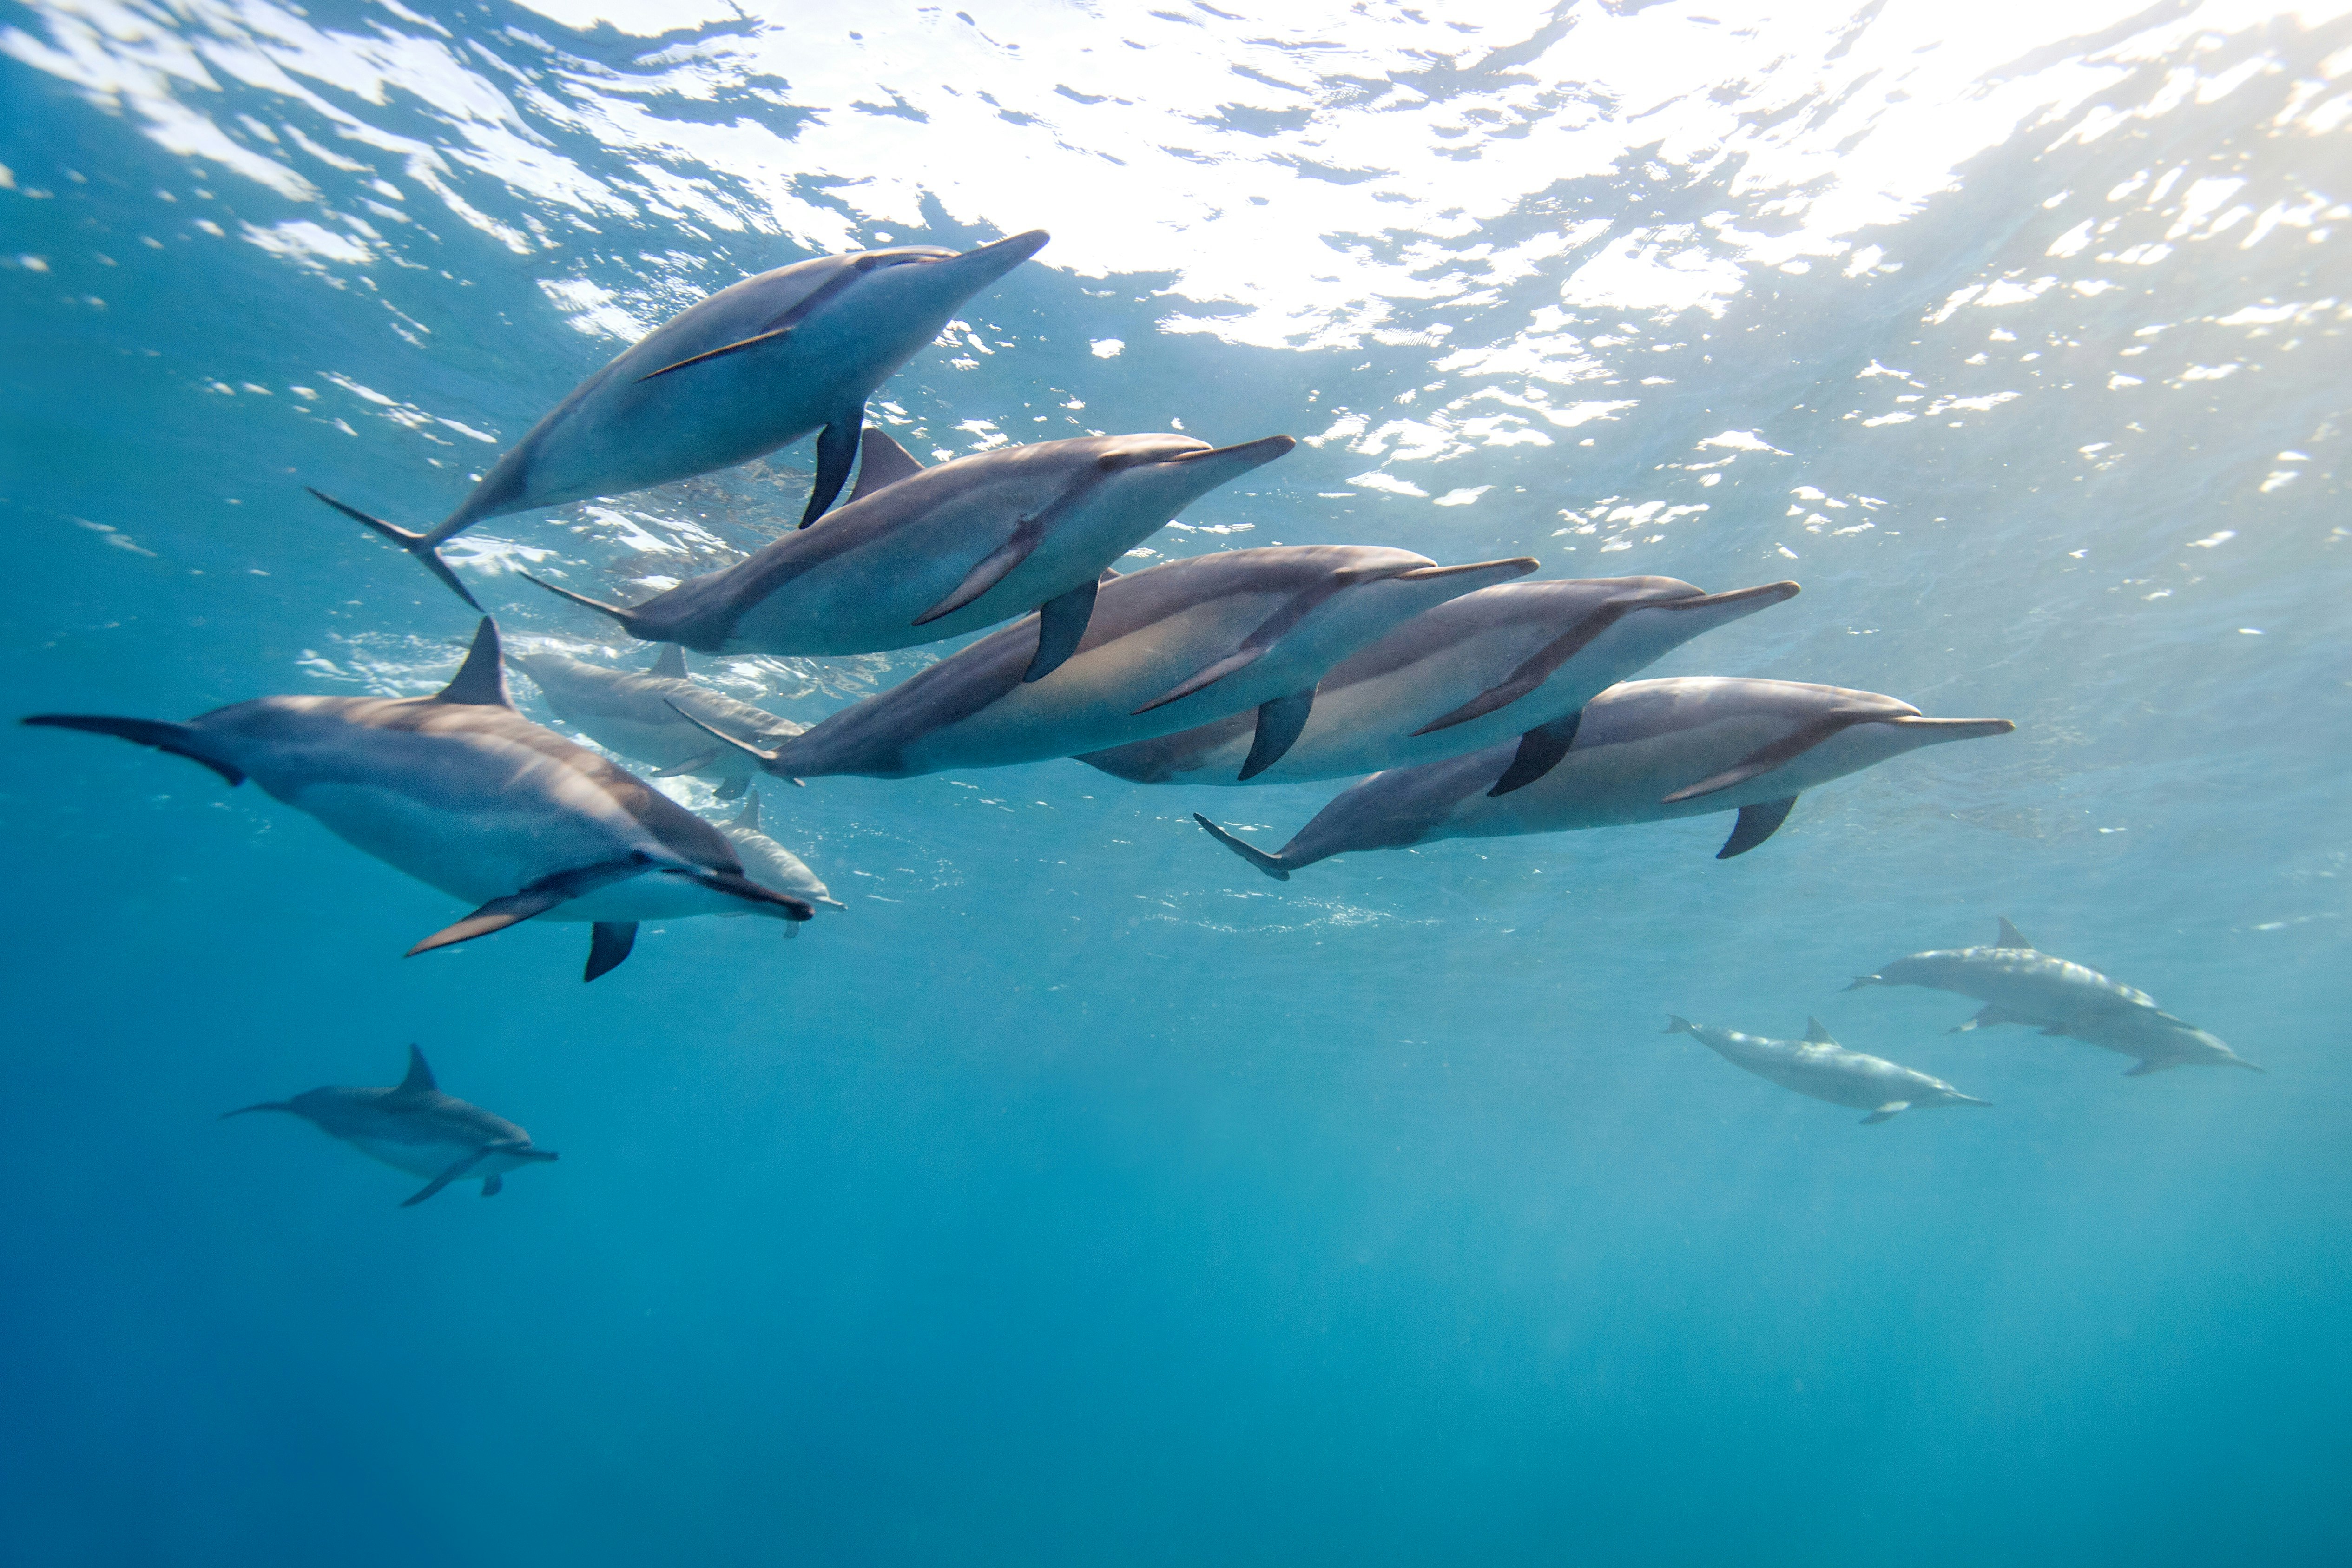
(1479, 705)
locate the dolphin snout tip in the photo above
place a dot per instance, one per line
(1862, 980)
(1019, 247)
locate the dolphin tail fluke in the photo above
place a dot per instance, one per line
(180, 739)
(1886, 1112)
(837, 452)
(625, 617)
(542, 896)
(1678, 1025)
(608, 945)
(265, 1105)
(420, 545)
(1270, 864)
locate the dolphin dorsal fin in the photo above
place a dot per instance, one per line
(1818, 1033)
(2011, 936)
(749, 818)
(420, 1077)
(481, 680)
(880, 462)
(669, 664)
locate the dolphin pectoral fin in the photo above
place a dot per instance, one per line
(417, 544)
(180, 739)
(481, 680)
(1765, 758)
(1061, 625)
(737, 347)
(735, 885)
(542, 896)
(1540, 751)
(609, 942)
(1987, 1018)
(669, 664)
(444, 1178)
(989, 572)
(2011, 936)
(626, 617)
(1756, 824)
(1886, 1112)
(693, 764)
(493, 1185)
(1207, 675)
(762, 758)
(837, 449)
(1269, 864)
(881, 463)
(731, 788)
(1536, 668)
(1279, 726)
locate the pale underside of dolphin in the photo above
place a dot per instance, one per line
(756, 365)
(1646, 751)
(411, 1126)
(1165, 648)
(1819, 1067)
(463, 792)
(922, 554)
(1517, 659)
(2021, 984)
(771, 865)
(637, 712)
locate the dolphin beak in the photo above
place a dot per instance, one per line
(1494, 571)
(993, 260)
(1941, 730)
(1234, 460)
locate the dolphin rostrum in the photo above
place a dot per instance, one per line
(2019, 984)
(1647, 751)
(1820, 1067)
(636, 713)
(413, 1127)
(760, 364)
(1165, 648)
(463, 792)
(922, 555)
(1517, 659)
(771, 865)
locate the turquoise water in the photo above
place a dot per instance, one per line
(1078, 1195)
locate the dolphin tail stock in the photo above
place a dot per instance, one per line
(179, 740)
(546, 893)
(265, 1105)
(625, 617)
(1678, 1025)
(421, 545)
(1270, 864)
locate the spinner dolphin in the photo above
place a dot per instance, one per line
(1504, 661)
(759, 364)
(922, 554)
(1817, 1065)
(639, 714)
(465, 795)
(771, 865)
(1647, 751)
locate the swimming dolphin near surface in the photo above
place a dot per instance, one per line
(771, 865)
(463, 792)
(636, 713)
(922, 554)
(1166, 647)
(1646, 751)
(760, 364)
(413, 1127)
(1817, 1065)
(1515, 659)
(2021, 984)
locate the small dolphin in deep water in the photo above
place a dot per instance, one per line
(760, 364)
(2019, 984)
(922, 555)
(1519, 659)
(771, 865)
(1646, 751)
(463, 792)
(1165, 648)
(637, 713)
(1820, 1067)
(413, 1127)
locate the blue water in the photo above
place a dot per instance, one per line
(1079, 1196)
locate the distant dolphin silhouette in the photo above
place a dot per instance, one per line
(922, 555)
(1165, 648)
(760, 364)
(413, 1127)
(463, 792)
(771, 865)
(1817, 1065)
(1646, 751)
(638, 712)
(2021, 984)
(1515, 659)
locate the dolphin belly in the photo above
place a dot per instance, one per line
(478, 850)
(429, 1158)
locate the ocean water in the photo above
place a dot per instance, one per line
(1078, 1195)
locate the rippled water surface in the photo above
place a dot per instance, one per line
(1077, 1196)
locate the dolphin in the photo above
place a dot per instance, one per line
(922, 554)
(1519, 659)
(1646, 751)
(636, 713)
(1165, 648)
(463, 792)
(771, 865)
(2019, 983)
(413, 1127)
(1820, 1067)
(760, 364)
